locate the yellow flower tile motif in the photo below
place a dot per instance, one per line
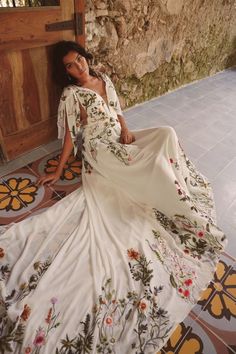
(15, 191)
(218, 294)
(191, 344)
(71, 170)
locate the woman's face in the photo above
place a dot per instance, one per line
(75, 65)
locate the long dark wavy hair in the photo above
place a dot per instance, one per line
(60, 50)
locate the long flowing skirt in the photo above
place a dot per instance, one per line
(117, 264)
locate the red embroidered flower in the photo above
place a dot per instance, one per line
(186, 293)
(132, 254)
(26, 312)
(188, 282)
(180, 290)
(171, 161)
(186, 251)
(28, 350)
(200, 233)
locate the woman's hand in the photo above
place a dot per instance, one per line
(49, 179)
(126, 137)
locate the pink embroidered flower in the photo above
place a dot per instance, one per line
(54, 300)
(28, 350)
(132, 254)
(188, 282)
(200, 233)
(39, 339)
(129, 158)
(108, 321)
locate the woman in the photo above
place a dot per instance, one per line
(117, 264)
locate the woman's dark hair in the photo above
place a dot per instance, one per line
(60, 50)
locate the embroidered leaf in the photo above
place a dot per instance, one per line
(172, 280)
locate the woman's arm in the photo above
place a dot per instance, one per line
(126, 136)
(66, 151)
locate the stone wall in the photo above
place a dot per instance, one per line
(149, 47)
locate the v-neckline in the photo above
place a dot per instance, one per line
(105, 101)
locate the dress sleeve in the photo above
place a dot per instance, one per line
(69, 109)
(112, 95)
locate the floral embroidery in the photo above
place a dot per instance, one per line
(220, 293)
(182, 277)
(174, 162)
(12, 331)
(4, 271)
(197, 240)
(71, 170)
(26, 288)
(111, 315)
(42, 333)
(2, 253)
(17, 192)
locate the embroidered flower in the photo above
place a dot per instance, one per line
(28, 350)
(132, 254)
(200, 233)
(49, 316)
(171, 161)
(143, 306)
(39, 338)
(188, 282)
(54, 300)
(26, 313)
(109, 321)
(2, 253)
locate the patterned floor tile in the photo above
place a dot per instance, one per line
(19, 195)
(71, 175)
(217, 307)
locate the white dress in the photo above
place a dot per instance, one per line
(117, 264)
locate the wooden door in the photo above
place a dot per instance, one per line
(28, 96)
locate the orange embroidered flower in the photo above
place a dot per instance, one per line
(142, 306)
(26, 313)
(2, 253)
(71, 170)
(109, 321)
(132, 254)
(28, 350)
(49, 316)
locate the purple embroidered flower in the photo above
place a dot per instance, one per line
(54, 300)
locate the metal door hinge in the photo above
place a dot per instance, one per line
(76, 24)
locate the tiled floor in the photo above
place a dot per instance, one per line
(204, 116)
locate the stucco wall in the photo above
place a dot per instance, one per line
(151, 47)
